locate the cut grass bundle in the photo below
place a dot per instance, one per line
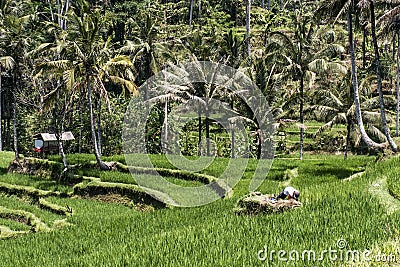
(255, 203)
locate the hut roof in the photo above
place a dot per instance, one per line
(52, 137)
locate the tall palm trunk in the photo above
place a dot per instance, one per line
(200, 132)
(199, 15)
(99, 126)
(207, 122)
(301, 115)
(1, 113)
(59, 125)
(364, 136)
(364, 59)
(61, 149)
(347, 137)
(248, 6)
(8, 121)
(165, 147)
(398, 84)
(15, 126)
(101, 164)
(232, 124)
(191, 12)
(378, 74)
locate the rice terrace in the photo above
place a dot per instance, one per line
(199, 133)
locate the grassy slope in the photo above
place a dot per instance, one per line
(211, 235)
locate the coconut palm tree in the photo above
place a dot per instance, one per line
(389, 23)
(335, 9)
(6, 63)
(302, 57)
(88, 62)
(16, 40)
(335, 106)
(363, 4)
(248, 13)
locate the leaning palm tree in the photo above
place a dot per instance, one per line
(335, 9)
(335, 106)
(370, 4)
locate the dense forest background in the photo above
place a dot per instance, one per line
(75, 65)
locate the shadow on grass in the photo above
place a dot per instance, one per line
(3, 171)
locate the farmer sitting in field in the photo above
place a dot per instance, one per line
(290, 193)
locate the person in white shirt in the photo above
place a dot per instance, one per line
(290, 193)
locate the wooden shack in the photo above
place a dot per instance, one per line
(47, 142)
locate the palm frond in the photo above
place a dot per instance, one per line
(127, 84)
(7, 62)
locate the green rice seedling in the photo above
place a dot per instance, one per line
(105, 234)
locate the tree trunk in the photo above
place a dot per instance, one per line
(232, 140)
(101, 164)
(1, 113)
(269, 4)
(59, 129)
(61, 149)
(15, 126)
(370, 143)
(165, 147)
(80, 133)
(191, 12)
(207, 122)
(364, 60)
(200, 133)
(301, 115)
(378, 74)
(248, 6)
(398, 84)
(199, 15)
(99, 126)
(259, 142)
(347, 138)
(232, 124)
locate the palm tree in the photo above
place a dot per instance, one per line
(88, 62)
(6, 63)
(147, 51)
(299, 62)
(335, 106)
(248, 11)
(334, 9)
(13, 23)
(191, 12)
(390, 25)
(364, 4)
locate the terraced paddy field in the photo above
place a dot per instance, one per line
(349, 207)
